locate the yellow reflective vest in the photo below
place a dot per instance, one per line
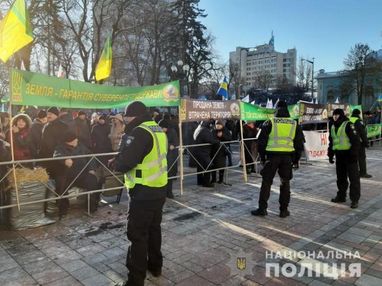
(152, 172)
(282, 135)
(340, 139)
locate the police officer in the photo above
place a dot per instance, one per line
(280, 144)
(344, 143)
(142, 157)
(361, 131)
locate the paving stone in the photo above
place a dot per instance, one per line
(367, 280)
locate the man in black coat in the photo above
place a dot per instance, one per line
(203, 135)
(52, 136)
(36, 133)
(344, 143)
(362, 133)
(67, 171)
(280, 144)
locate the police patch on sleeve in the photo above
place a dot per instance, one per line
(129, 139)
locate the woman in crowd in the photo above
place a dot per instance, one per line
(21, 125)
(117, 131)
(222, 134)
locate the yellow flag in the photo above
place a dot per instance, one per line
(103, 69)
(15, 30)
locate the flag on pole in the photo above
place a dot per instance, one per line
(269, 103)
(15, 30)
(337, 100)
(223, 89)
(61, 72)
(103, 69)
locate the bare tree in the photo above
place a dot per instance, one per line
(263, 79)
(304, 75)
(359, 65)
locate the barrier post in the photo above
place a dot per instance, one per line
(243, 152)
(181, 155)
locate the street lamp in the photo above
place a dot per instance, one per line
(182, 75)
(311, 62)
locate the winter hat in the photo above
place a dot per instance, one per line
(118, 117)
(136, 108)
(54, 110)
(356, 112)
(41, 114)
(164, 123)
(103, 116)
(339, 112)
(69, 136)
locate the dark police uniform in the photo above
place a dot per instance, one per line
(280, 144)
(344, 144)
(361, 131)
(142, 157)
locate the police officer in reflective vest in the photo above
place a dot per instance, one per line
(344, 143)
(280, 144)
(361, 131)
(142, 157)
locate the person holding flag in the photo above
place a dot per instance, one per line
(223, 89)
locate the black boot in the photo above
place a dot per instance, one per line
(338, 200)
(259, 212)
(284, 213)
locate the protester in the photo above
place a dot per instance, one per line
(172, 153)
(83, 129)
(280, 144)
(74, 172)
(117, 131)
(100, 138)
(141, 159)
(220, 152)
(203, 135)
(52, 136)
(5, 125)
(344, 143)
(36, 133)
(362, 133)
(21, 125)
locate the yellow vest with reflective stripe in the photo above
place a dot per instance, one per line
(353, 119)
(152, 172)
(282, 135)
(340, 139)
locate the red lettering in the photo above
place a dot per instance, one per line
(324, 139)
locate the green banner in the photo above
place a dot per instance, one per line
(373, 130)
(250, 112)
(29, 88)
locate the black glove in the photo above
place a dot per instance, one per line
(331, 161)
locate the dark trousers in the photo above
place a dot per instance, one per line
(86, 181)
(362, 161)
(282, 164)
(348, 168)
(144, 233)
(205, 177)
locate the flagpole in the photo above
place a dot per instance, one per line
(181, 152)
(11, 139)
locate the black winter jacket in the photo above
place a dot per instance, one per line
(135, 145)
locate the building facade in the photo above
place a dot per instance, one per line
(263, 60)
(339, 86)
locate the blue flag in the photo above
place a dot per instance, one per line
(223, 89)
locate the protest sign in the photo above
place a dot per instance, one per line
(312, 113)
(316, 145)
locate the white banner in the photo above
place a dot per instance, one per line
(316, 145)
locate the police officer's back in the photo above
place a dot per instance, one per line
(280, 144)
(142, 157)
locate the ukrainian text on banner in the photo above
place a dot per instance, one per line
(348, 109)
(250, 112)
(29, 88)
(312, 113)
(199, 110)
(316, 145)
(373, 130)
